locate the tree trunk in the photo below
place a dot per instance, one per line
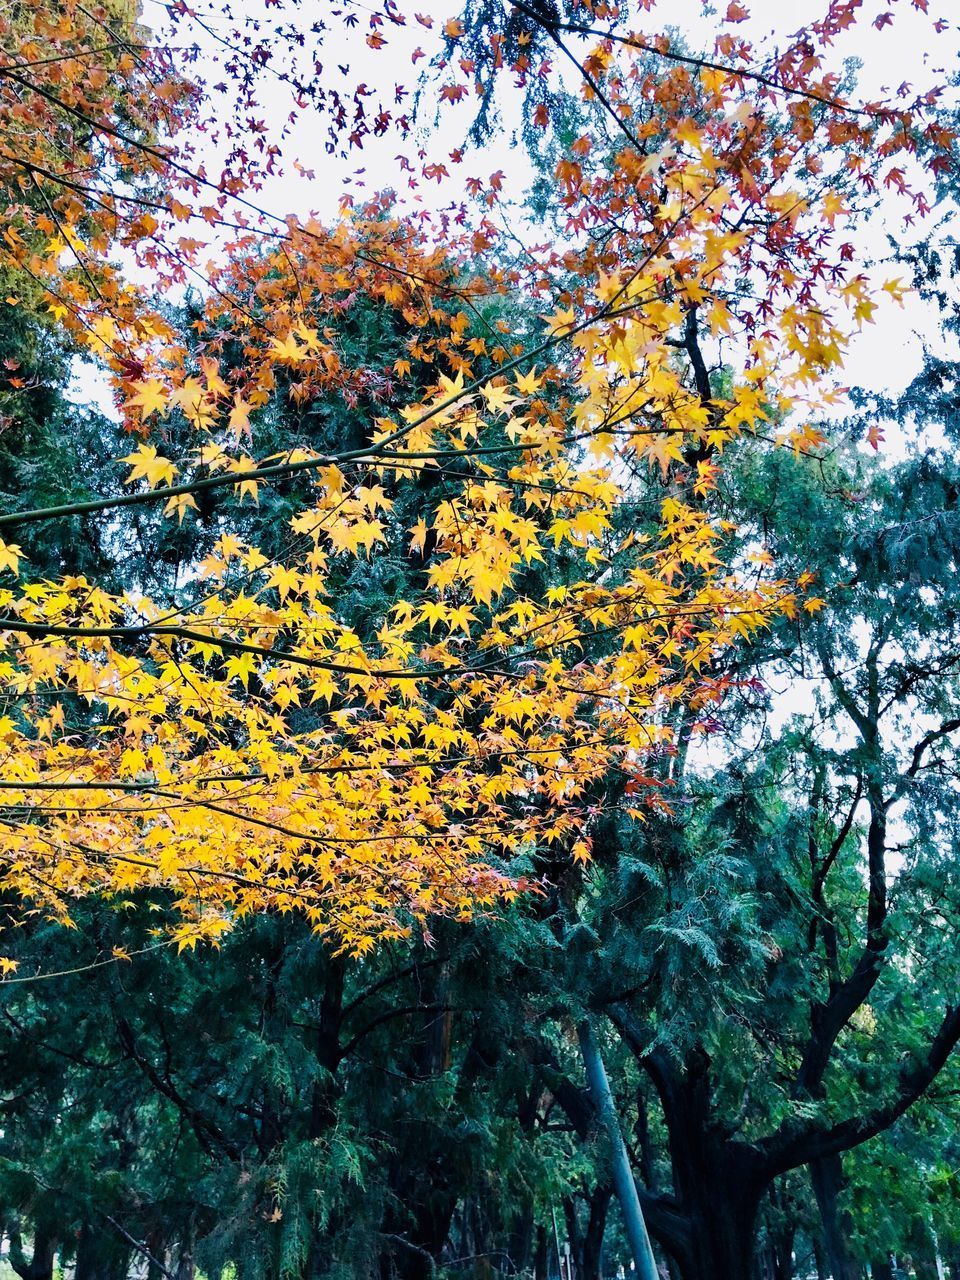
(820, 1261)
(520, 1242)
(574, 1236)
(722, 1243)
(776, 1261)
(157, 1248)
(826, 1176)
(412, 1251)
(425, 1183)
(719, 1186)
(185, 1264)
(719, 1203)
(40, 1264)
(782, 1250)
(541, 1256)
(100, 1255)
(923, 1252)
(593, 1236)
(586, 1244)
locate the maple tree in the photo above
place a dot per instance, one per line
(454, 586)
(164, 743)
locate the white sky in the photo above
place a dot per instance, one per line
(884, 357)
(887, 354)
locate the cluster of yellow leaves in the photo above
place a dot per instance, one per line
(245, 747)
(465, 730)
(439, 753)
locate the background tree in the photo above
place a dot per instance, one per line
(480, 636)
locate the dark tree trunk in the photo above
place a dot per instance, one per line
(541, 1257)
(185, 1264)
(100, 1255)
(923, 1250)
(781, 1246)
(401, 1260)
(40, 1264)
(719, 1184)
(157, 1248)
(827, 1178)
(820, 1261)
(413, 1253)
(324, 1095)
(762, 1264)
(781, 1231)
(574, 1236)
(776, 1261)
(712, 1233)
(520, 1243)
(593, 1236)
(425, 1184)
(586, 1243)
(642, 1143)
(709, 1223)
(722, 1240)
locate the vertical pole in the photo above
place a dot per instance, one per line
(623, 1183)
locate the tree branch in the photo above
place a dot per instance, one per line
(791, 1147)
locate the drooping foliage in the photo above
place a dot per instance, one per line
(445, 609)
(460, 723)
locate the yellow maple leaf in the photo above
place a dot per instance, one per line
(151, 397)
(561, 322)
(499, 399)
(178, 505)
(10, 556)
(148, 465)
(832, 206)
(528, 384)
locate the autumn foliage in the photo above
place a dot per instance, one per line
(566, 580)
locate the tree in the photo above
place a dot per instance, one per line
(307, 711)
(232, 683)
(792, 1006)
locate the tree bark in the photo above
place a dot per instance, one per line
(40, 1264)
(100, 1256)
(541, 1256)
(819, 1261)
(520, 1241)
(185, 1264)
(781, 1254)
(586, 1243)
(722, 1237)
(427, 1190)
(593, 1236)
(827, 1178)
(709, 1224)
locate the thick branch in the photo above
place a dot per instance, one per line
(791, 1147)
